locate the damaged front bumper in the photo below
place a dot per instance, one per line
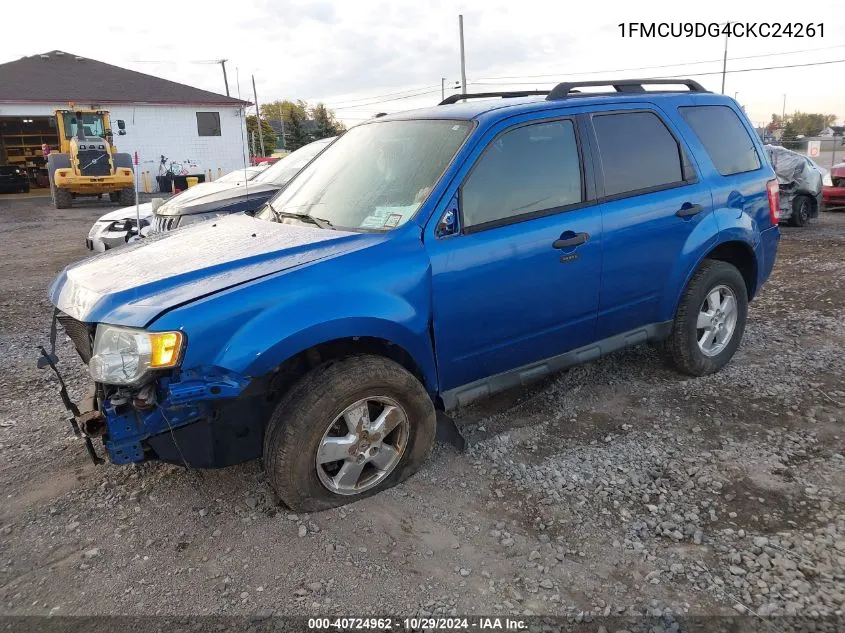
(205, 419)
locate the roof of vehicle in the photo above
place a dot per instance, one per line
(478, 109)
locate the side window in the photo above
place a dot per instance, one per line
(530, 169)
(637, 152)
(208, 123)
(724, 137)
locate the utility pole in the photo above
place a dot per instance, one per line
(442, 88)
(725, 60)
(282, 120)
(222, 62)
(463, 56)
(783, 113)
(258, 118)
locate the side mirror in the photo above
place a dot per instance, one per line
(121, 127)
(448, 224)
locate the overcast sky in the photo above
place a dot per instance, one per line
(349, 53)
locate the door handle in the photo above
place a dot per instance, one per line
(689, 210)
(576, 240)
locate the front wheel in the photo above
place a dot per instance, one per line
(347, 430)
(126, 197)
(710, 319)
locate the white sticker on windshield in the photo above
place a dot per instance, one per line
(388, 217)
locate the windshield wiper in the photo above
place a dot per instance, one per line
(319, 222)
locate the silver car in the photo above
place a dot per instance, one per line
(120, 226)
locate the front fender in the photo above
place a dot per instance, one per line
(381, 291)
(261, 345)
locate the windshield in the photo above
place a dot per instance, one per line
(280, 173)
(375, 177)
(91, 121)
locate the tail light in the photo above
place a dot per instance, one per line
(773, 189)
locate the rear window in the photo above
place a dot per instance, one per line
(724, 137)
(637, 152)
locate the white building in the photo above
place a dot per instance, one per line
(197, 129)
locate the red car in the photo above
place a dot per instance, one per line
(833, 194)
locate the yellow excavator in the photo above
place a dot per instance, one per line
(87, 163)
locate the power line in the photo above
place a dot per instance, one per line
(716, 72)
(363, 105)
(619, 70)
(389, 94)
(174, 61)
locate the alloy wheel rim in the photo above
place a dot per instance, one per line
(716, 322)
(362, 445)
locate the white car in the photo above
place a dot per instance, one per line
(119, 227)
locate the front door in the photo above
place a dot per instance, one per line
(519, 282)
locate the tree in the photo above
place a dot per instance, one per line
(266, 130)
(272, 109)
(294, 114)
(327, 124)
(802, 123)
(295, 134)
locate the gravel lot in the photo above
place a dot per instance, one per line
(619, 487)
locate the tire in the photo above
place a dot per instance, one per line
(683, 342)
(802, 207)
(62, 198)
(114, 196)
(310, 412)
(126, 197)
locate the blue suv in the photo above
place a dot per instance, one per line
(424, 260)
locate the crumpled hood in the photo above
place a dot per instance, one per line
(136, 283)
(211, 196)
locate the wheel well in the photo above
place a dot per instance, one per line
(739, 255)
(297, 366)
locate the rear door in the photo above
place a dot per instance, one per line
(653, 205)
(518, 280)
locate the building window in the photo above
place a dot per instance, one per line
(208, 123)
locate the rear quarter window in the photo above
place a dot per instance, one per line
(724, 138)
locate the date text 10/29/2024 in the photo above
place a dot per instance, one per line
(416, 624)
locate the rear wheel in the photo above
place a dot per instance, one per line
(801, 208)
(710, 320)
(126, 196)
(114, 196)
(347, 430)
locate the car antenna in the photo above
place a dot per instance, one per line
(243, 140)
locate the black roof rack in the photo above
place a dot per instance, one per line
(563, 90)
(484, 95)
(569, 88)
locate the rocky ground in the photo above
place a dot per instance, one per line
(616, 488)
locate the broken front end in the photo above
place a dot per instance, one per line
(143, 405)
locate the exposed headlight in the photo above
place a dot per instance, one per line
(122, 356)
(827, 181)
